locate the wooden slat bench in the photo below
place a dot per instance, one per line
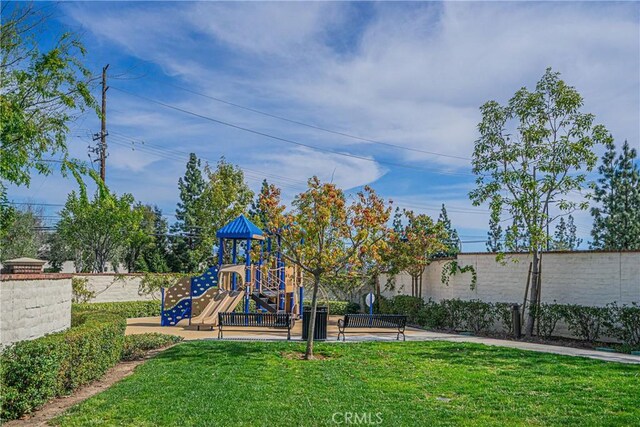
(255, 320)
(375, 321)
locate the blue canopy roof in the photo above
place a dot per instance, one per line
(240, 228)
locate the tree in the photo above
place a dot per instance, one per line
(565, 237)
(142, 252)
(616, 217)
(452, 241)
(224, 197)
(24, 236)
(530, 154)
(324, 235)
(42, 92)
(191, 187)
(97, 231)
(494, 236)
(156, 259)
(415, 244)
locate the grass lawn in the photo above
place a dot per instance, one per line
(211, 383)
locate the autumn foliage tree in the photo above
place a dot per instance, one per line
(323, 234)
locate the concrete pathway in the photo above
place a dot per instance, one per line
(152, 324)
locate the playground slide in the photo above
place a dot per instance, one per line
(206, 312)
(229, 303)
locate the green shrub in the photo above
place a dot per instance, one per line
(454, 318)
(80, 290)
(35, 371)
(127, 309)
(409, 306)
(478, 316)
(585, 322)
(383, 305)
(432, 315)
(624, 324)
(503, 312)
(335, 307)
(136, 346)
(547, 317)
(353, 308)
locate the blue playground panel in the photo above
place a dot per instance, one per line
(182, 310)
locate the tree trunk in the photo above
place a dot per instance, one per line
(533, 296)
(420, 286)
(308, 355)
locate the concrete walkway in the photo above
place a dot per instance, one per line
(152, 324)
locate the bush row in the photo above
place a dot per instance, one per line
(338, 308)
(125, 309)
(33, 372)
(585, 323)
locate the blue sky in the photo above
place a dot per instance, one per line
(409, 74)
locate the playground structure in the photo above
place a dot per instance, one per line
(273, 286)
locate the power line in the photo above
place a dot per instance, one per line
(286, 140)
(335, 132)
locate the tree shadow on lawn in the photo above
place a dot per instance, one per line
(207, 350)
(480, 355)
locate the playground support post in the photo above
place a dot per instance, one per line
(247, 281)
(234, 260)
(301, 301)
(220, 253)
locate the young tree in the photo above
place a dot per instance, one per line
(324, 235)
(186, 226)
(98, 230)
(494, 236)
(24, 236)
(565, 236)
(452, 241)
(42, 92)
(616, 217)
(530, 154)
(415, 244)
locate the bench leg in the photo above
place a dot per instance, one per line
(401, 332)
(219, 332)
(288, 334)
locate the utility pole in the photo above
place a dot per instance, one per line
(103, 125)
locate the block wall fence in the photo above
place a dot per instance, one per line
(33, 305)
(584, 278)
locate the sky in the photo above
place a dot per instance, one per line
(412, 75)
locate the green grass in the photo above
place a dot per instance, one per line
(211, 383)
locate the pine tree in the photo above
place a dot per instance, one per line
(494, 236)
(452, 240)
(191, 187)
(565, 237)
(616, 218)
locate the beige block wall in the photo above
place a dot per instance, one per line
(115, 288)
(585, 278)
(30, 309)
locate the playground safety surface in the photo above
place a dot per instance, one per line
(152, 324)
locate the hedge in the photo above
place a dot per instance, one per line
(338, 307)
(586, 323)
(125, 309)
(33, 372)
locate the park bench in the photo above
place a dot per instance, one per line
(255, 320)
(373, 321)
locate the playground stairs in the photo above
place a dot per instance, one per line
(266, 299)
